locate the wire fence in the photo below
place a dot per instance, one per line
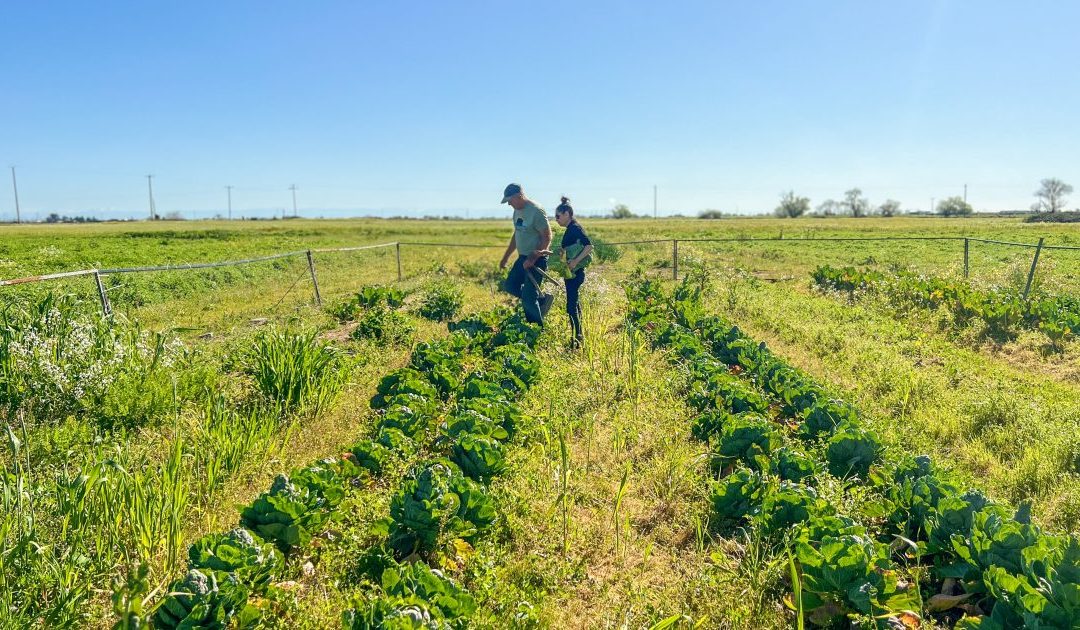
(309, 255)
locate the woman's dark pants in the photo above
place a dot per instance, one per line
(573, 307)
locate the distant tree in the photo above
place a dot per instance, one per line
(954, 207)
(828, 208)
(890, 208)
(174, 216)
(855, 204)
(1051, 195)
(711, 214)
(621, 211)
(792, 206)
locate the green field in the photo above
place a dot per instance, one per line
(603, 509)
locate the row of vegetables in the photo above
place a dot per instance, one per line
(449, 417)
(1003, 312)
(878, 539)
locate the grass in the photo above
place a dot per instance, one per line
(605, 506)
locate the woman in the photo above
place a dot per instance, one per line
(576, 248)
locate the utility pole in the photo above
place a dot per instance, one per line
(965, 193)
(15, 187)
(229, 190)
(293, 189)
(654, 201)
(150, 191)
(931, 205)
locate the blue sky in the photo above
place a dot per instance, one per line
(409, 108)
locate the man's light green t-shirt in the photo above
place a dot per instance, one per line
(529, 223)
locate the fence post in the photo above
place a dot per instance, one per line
(967, 243)
(1031, 273)
(674, 259)
(314, 280)
(397, 246)
(106, 308)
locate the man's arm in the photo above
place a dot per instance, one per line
(541, 247)
(508, 252)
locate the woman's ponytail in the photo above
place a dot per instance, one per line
(564, 206)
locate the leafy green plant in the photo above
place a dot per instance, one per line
(206, 600)
(371, 456)
(404, 381)
(412, 423)
(435, 503)
(442, 301)
(384, 325)
(914, 491)
(413, 596)
(709, 426)
(479, 457)
(791, 465)
(954, 516)
(239, 552)
(849, 574)
(852, 450)
(518, 360)
(1043, 594)
(294, 510)
(825, 416)
(441, 362)
(368, 298)
(788, 505)
(502, 412)
(748, 438)
(735, 498)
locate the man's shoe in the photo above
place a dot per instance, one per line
(545, 304)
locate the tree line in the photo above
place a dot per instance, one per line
(1050, 198)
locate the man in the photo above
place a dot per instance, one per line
(531, 238)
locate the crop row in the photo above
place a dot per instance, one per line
(1004, 312)
(449, 415)
(878, 539)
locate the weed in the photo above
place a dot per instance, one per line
(295, 372)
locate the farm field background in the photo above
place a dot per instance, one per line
(604, 513)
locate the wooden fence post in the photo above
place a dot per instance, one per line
(314, 279)
(966, 247)
(106, 308)
(397, 246)
(674, 259)
(1031, 273)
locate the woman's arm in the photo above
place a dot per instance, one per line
(585, 251)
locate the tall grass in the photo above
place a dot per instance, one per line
(66, 535)
(295, 372)
(227, 439)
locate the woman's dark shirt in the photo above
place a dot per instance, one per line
(574, 234)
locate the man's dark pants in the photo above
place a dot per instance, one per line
(518, 285)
